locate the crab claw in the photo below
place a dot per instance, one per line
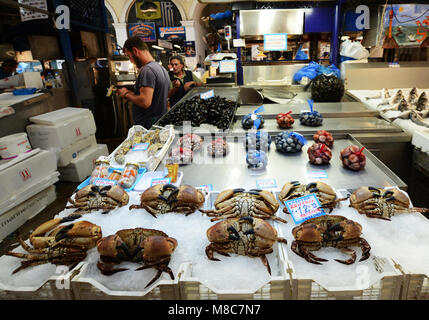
(238, 190)
(235, 235)
(311, 185)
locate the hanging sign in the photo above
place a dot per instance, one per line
(146, 31)
(227, 66)
(148, 10)
(275, 42)
(172, 33)
(304, 208)
(27, 15)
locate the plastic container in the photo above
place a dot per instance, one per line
(100, 170)
(129, 175)
(13, 145)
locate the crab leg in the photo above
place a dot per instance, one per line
(366, 248)
(350, 252)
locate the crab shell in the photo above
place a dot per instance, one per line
(85, 234)
(323, 188)
(365, 193)
(116, 192)
(312, 230)
(265, 234)
(186, 194)
(154, 246)
(227, 194)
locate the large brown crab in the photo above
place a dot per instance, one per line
(57, 243)
(93, 197)
(151, 247)
(163, 198)
(245, 236)
(381, 203)
(234, 203)
(329, 231)
(324, 192)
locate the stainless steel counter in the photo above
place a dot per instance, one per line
(333, 125)
(231, 171)
(328, 110)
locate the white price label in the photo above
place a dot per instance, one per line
(207, 95)
(266, 184)
(275, 42)
(160, 181)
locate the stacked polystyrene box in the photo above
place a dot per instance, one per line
(70, 133)
(26, 188)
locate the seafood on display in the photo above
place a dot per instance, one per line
(329, 231)
(57, 243)
(190, 141)
(92, 197)
(324, 193)
(287, 142)
(218, 148)
(285, 120)
(163, 198)
(381, 203)
(181, 155)
(234, 203)
(244, 236)
(151, 247)
(319, 153)
(353, 158)
(323, 136)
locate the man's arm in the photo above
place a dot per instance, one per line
(144, 100)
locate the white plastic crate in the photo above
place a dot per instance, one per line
(148, 162)
(56, 287)
(82, 166)
(61, 128)
(373, 279)
(86, 288)
(67, 154)
(16, 217)
(24, 179)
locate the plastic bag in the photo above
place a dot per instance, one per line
(353, 50)
(301, 55)
(332, 69)
(309, 71)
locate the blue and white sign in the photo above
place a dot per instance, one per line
(227, 66)
(141, 146)
(304, 208)
(206, 187)
(275, 42)
(266, 183)
(160, 181)
(317, 174)
(207, 95)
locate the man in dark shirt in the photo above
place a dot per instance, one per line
(151, 88)
(8, 68)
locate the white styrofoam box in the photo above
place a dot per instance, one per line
(60, 115)
(82, 166)
(61, 131)
(421, 140)
(67, 154)
(16, 217)
(13, 145)
(24, 179)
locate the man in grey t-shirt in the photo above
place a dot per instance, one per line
(151, 88)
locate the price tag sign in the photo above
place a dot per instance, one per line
(206, 187)
(227, 66)
(266, 184)
(275, 42)
(141, 146)
(104, 182)
(207, 95)
(304, 208)
(160, 181)
(317, 174)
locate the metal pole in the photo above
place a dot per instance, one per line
(335, 36)
(239, 66)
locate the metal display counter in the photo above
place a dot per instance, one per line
(328, 110)
(231, 171)
(333, 125)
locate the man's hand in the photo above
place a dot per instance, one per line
(122, 92)
(188, 85)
